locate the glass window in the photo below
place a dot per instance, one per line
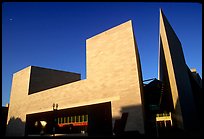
(72, 119)
(78, 118)
(67, 119)
(58, 120)
(86, 118)
(61, 120)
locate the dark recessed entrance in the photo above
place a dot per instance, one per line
(92, 120)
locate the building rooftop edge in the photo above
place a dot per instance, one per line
(53, 69)
(110, 29)
(30, 66)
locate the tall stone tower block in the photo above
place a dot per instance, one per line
(113, 63)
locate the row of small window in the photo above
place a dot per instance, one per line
(163, 114)
(72, 119)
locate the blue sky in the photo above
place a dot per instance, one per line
(53, 35)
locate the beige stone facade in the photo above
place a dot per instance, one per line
(113, 75)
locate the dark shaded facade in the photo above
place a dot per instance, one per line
(99, 122)
(4, 114)
(152, 97)
(43, 78)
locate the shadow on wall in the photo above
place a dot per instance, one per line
(15, 127)
(177, 130)
(193, 129)
(121, 122)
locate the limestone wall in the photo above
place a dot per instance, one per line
(113, 74)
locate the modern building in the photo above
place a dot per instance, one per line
(112, 99)
(112, 88)
(182, 86)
